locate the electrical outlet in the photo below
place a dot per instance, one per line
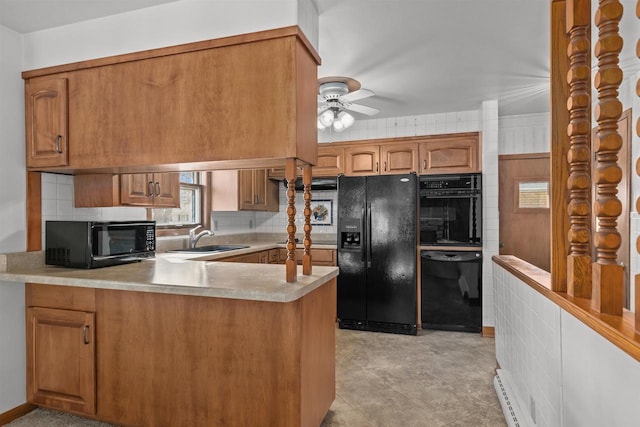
(532, 405)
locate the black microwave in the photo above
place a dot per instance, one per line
(94, 244)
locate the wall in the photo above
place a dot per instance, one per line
(525, 133)
(164, 25)
(58, 204)
(276, 222)
(557, 368)
(12, 218)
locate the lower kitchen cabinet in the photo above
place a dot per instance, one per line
(325, 257)
(61, 369)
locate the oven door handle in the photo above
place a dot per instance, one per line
(368, 235)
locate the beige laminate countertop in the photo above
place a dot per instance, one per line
(176, 273)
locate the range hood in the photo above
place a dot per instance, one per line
(317, 184)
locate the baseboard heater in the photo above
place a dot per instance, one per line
(366, 325)
(513, 414)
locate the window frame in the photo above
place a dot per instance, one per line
(205, 209)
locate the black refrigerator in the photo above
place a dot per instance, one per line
(377, 224)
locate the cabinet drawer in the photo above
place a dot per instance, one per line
(62, 297)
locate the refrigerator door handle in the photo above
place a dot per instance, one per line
(368, 235)
(363, 237)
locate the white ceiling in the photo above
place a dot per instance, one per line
(418, 56)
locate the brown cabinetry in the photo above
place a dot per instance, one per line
(46, 106)
(150, 189)
(136, 112)
(330, 163)
(381, 159)
(234, 190)
(325, 257)
(450, 154)
(153, 190)
(61, 364)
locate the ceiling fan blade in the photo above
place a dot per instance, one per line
(362, 109)
(358, 94)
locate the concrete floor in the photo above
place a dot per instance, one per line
(434, 379)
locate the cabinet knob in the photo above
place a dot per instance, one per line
(58, 146)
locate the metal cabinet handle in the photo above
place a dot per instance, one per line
(157, 189)
(424, 164)
(58, 145)
(150, 189)
(377, 168)
(85, 334)
(385, 166)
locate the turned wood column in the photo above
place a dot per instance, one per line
(607, 273)
(291, 264)
(306, 257)
(579, 155)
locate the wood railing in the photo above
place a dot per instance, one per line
(602, 279)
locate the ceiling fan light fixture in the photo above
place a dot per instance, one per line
(326, 118)
(346, 119)
(338, 126)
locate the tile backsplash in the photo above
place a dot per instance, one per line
(275, 222)
(58, 204)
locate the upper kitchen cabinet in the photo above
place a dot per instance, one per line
(455, 153)
(382, 159)
(243, 190)
(330, 163)
(46, 118)
(228, 103)
(151, 190)
(159, 190)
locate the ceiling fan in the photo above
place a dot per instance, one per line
(335, 95)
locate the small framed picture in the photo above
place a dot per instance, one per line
(321, 212)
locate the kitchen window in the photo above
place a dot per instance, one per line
(172, 221)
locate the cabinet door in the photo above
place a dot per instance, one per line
(46, 122)
(245, 190)
(449, 155)
(330, 161)
(61, 359)
(166, 190)
(136, 189)
(151, 190)
(362, 160)
(398, 159)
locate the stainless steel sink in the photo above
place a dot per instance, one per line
(211, 248)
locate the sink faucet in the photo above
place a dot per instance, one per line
(193, 237)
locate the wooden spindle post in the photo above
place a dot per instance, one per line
(306, 257)
(291, 264)
(608, 279)
(578, 13)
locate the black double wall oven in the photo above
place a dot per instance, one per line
(450, 224)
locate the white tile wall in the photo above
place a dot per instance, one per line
(391, 127)
(276, 222)
(574, 375)
(528, 348)
(58, 204)
(526, 133)
(490, 229)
